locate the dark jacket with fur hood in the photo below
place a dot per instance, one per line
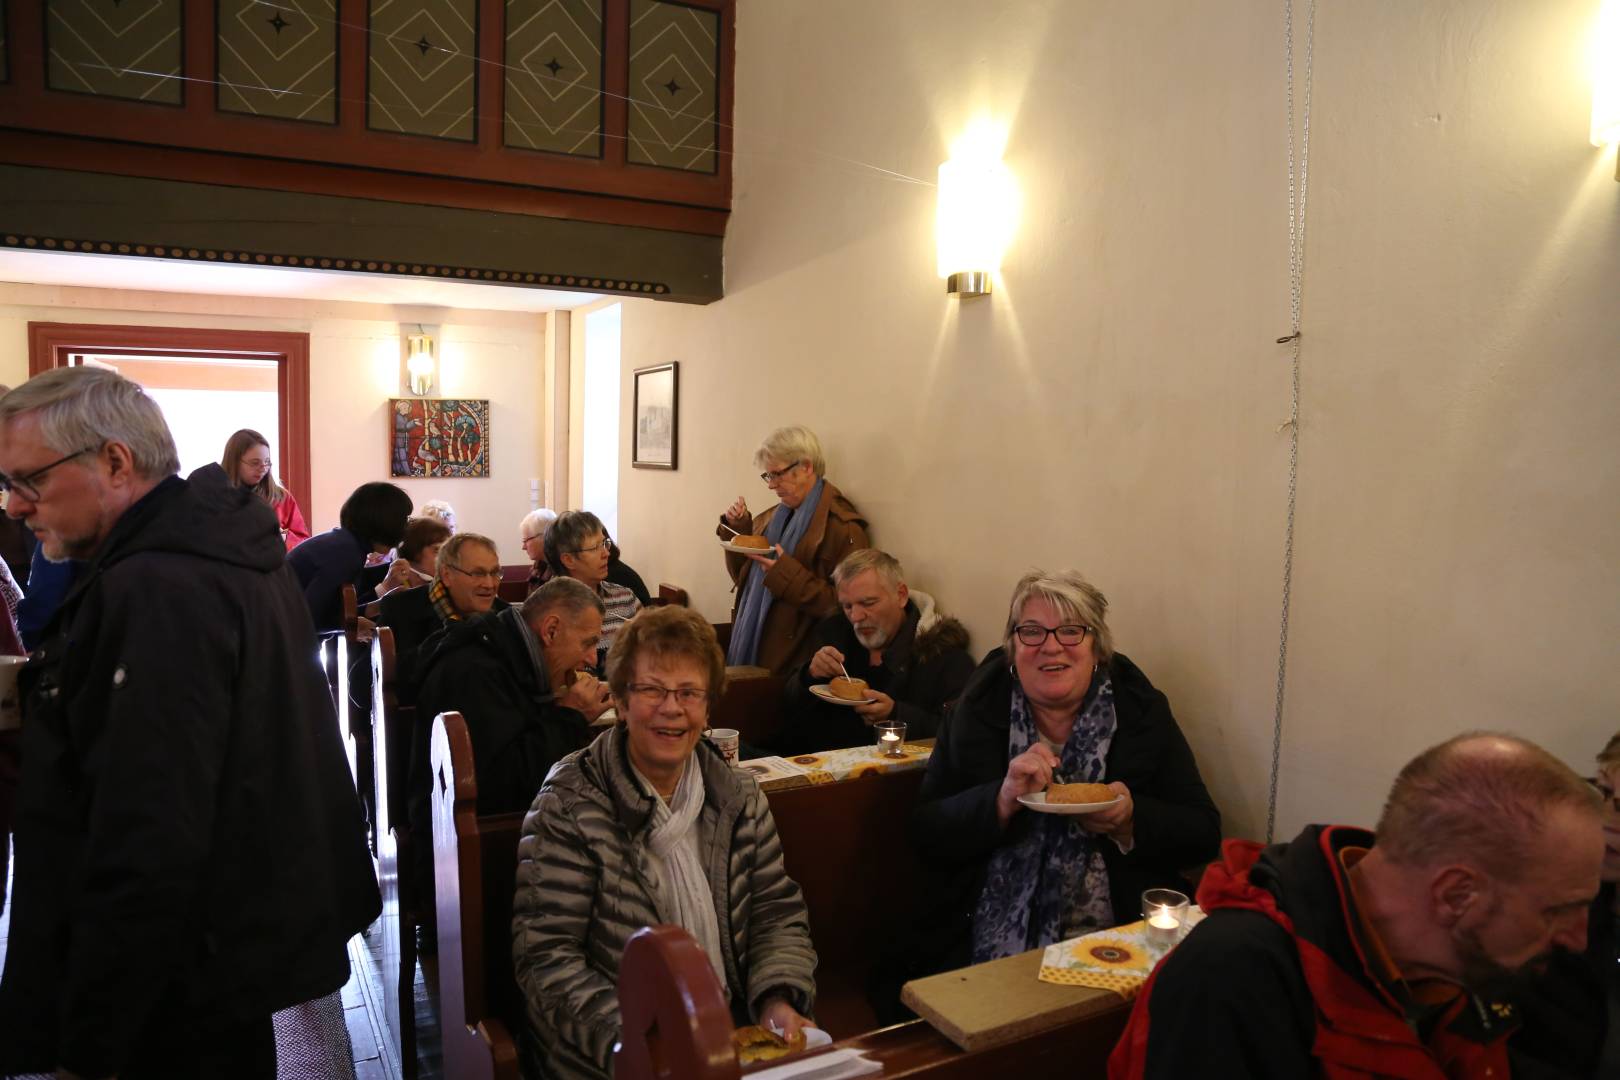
(924, 671)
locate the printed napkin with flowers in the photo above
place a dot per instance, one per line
(1117, 959)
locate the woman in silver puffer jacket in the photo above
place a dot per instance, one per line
(649, 824)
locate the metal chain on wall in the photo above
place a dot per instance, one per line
(1298, 176)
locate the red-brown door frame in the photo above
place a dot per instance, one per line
(50, 344)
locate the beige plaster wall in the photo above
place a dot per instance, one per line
(1115, 406)
(354, 369)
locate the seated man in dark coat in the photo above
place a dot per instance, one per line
(464, 584)
(914, 665)
(1349, 953)
(191, 854)
(519, 678)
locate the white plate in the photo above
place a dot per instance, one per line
(821, 691)
(729, 546)
(1036, 801)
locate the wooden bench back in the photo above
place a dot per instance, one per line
(514, 586)
(752, 704)
(475, 875)
(674, 1014)
(669, 595)
(391, 730)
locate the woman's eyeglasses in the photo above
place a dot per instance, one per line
(687, 697)
(1034, 634)
(598, 546)
(774, 476)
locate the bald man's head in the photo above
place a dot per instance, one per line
(1483, 798)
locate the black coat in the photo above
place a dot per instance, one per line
(482, 668)
(409, 614)
(1176, 827)
(187, 828)
(924, 673)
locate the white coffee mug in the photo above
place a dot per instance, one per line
(10, 699)
(725, 740)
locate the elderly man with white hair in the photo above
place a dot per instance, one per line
(786, 589)
(913, 660)
(191, 854)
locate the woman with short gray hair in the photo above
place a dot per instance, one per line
(1056, 704)
(785, 589)
(577, 545)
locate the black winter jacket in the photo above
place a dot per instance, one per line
(482, 669)
(954, 826)
(187, 828)
(924, 673)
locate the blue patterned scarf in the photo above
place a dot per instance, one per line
(787, 527)
(1047, 875)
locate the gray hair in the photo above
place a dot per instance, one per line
(450, 553)
(566, 596)
(1076, 599)
(564, 536)
(536, 522)
(792, 445)
(438, 510)
(861, 560)
(88, 407)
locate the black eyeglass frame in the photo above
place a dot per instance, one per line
(1025, 631)
(24, 485)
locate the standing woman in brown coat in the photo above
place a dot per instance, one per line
(785, 590)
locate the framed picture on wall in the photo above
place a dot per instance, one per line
(656, 395)
(446, 437)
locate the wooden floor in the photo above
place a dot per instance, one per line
(372, 1057)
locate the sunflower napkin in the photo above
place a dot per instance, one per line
(1117, 959)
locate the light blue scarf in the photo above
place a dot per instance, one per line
(756, 599)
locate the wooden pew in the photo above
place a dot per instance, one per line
(669, 595)
(356, 716)
(391, 732)
(475, 874)
(752, 704)
(514, 586)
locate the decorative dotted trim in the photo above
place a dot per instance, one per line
(371, 266)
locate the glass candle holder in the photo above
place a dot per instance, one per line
(891, 739)
(1165, 911)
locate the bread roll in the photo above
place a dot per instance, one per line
(1079, 793)
(754, 1043)
(848, 689)
(747, 541)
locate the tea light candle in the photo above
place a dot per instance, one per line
(889, 743)
(891, 739)
(1166, 912)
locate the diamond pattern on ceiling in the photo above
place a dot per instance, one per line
(114, 48)
(674, 91)
(554, 76)
(422, 77)
(279, 58)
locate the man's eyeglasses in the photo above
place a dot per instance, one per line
(688, 697)
(487, 575)
(774, 476)
(1034, 634)
(24, 485)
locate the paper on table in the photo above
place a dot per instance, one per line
(833, 1065)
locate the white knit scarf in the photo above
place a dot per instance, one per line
(674, 850)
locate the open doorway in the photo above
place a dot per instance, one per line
(208, 383)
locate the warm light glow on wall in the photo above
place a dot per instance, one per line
(1605, 64)
(977, 212)
(420, 363)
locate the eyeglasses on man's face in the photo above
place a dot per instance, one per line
(688, 697)
(486, 575)
(774, 476)
(26, 486)
(1035, 635)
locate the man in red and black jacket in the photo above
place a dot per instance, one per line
(1350, 954)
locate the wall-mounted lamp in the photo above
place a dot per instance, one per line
(1605, 64)
(419, 361)
(978, 210)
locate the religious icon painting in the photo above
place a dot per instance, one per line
(445, 437)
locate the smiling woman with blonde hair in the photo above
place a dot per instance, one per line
(649, 824)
